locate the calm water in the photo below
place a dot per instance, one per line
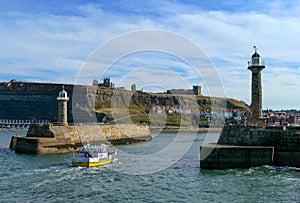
(49, 178)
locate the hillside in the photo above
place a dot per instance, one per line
(23, 100)
(126, 106)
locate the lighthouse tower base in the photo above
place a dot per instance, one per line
(258, 122)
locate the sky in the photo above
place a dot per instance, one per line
(58, 41)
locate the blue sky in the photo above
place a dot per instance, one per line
(50, 41)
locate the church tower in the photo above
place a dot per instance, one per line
(62, 107)
(256, 65)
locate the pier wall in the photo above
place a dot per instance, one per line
(47, 138)
(286, 144)
(228, 156)
(284, 140)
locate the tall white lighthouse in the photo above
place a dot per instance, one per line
(62, 99)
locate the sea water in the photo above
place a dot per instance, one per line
(50, 178)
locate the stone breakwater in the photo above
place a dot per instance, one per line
(47, 138)
(242, 147)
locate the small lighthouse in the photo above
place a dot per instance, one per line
(62, 107)
(256, 65)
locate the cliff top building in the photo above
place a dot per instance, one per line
(106, 83)
(133, 87)
(195, 91)
(95, 82)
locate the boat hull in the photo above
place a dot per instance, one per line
(91, 164)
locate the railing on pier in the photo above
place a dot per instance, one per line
(11, 123)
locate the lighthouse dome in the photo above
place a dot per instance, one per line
(255, 55)
(255, 59)
(63, 93)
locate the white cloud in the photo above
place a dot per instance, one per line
(59, 44)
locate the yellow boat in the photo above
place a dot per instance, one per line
(93, 156)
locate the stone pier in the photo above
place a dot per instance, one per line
(240, 147)
(230, 156)
(47, 138)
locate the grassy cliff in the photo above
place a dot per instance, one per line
(26, 100)
(127, 106)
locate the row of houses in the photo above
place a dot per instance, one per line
(279, 118)
(169, 110)
(231, 114)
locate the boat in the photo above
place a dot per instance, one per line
(93, 156)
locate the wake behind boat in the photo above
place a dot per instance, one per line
(93, 156)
